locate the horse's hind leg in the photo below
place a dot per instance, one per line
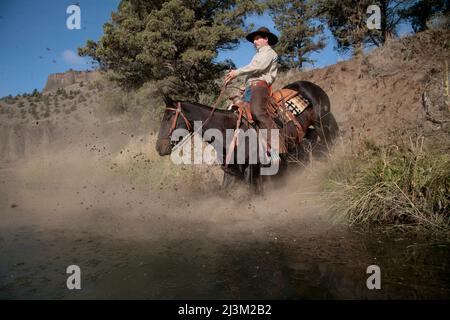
(279, 180)
(227, 181)
(327, 131)
(254, 179)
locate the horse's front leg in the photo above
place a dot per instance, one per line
(228, 181)
(232, 175)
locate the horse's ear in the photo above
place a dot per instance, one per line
(168, 101)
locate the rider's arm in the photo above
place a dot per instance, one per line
(259, 63)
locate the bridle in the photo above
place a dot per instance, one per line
(178, 111)
(173, 125)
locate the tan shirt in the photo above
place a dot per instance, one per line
(262, 67)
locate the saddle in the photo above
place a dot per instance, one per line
(284, 106)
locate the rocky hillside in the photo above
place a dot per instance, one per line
(50, 119)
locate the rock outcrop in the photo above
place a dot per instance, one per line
(61, 80)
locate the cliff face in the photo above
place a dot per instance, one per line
(61, 80)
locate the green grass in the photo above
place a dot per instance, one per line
(392, 186)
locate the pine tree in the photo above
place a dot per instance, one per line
(300, 34)
(421, 11)
(174, 43)
(347, 20)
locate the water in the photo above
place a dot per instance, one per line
(329, 266)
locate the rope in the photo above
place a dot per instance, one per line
(216, 103)
(214, 107)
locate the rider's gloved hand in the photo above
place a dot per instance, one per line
(230, 76)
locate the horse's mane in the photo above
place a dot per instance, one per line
(205, 107)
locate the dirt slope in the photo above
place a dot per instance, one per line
(383, 94)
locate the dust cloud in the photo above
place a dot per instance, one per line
(92, 182)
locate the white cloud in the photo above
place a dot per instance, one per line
(72, 58)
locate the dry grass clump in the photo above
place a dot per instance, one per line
(393, 185)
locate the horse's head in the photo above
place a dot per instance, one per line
(173, 118)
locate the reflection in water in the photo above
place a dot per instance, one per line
(332, 266)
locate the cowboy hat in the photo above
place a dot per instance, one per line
(264, 32)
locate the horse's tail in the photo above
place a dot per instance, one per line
(327, 131)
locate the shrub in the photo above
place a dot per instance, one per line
(35, 114)
(396, 186)
(99, 86)
(11, 100)
(91, 86)
(8, 99)
(62, 92)
(46, 100)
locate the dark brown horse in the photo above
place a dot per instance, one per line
(317, 121)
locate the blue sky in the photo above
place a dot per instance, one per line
(36, 42)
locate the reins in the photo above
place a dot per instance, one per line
(216, 103)
(178, 112)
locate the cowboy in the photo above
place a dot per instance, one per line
(260, 74)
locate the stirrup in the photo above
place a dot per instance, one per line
(275, 157)
(272, 158)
